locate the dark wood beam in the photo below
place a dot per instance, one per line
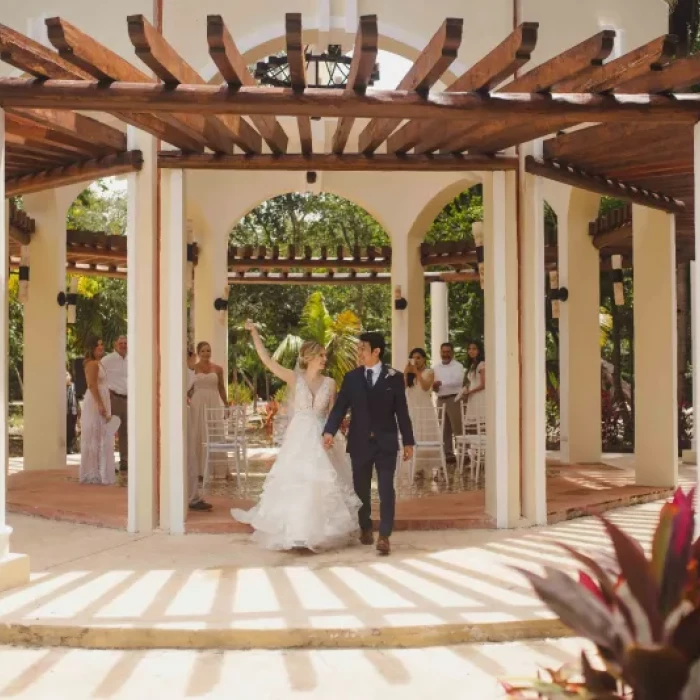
(579, 60)
(676, 76)
(331, 162)
(508, 57)
(38, 147)
(297, 74)
(223, 131)
(80, 172)
(494, 137)
(427, 69)
(364, 58)
(106, 66)
(570, 175)
(271, 278)
(234, 70)
(642, 60)
(326, 102)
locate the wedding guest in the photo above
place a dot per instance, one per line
(194, 497)
(72, 414)
(419, 379)
(97, 441)
(473, 392)
(449, 378)
(208, 391)
(115, 365)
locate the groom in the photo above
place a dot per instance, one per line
(376, 396)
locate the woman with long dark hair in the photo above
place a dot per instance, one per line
(97, 440)
(475, 381)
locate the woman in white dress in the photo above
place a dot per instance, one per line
(208, 391)
(308, 501)
(96, 442)
(473, 392)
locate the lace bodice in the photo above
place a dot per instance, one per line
(305, 401)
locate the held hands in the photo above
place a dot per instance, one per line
(327, 441)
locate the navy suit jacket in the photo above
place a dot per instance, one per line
(378, 414)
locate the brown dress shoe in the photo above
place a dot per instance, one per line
(367, 537)
(383, 546)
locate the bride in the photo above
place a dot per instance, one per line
(308, 501)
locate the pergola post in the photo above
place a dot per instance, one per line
(579, 332)
(173, 325)
(407, 283)
(501, 347)
(532, 346)
(45, 331)
(655, 334)
(142, 264)
(439, 318)
(14, 568)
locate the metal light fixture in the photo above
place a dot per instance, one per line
(478, 233)
(399, 302)
(190, 254)
(221, 304)
(69, 300)
(557, 294)
(617, 278)
(23, 293)
(326, 70)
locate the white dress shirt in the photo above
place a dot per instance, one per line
(451, 377)
(376, 370)
(115, 365)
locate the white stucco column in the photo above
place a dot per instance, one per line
(142, 290)
(211, 283)
(655, 326)
(501, 347)
(45, 331)
(14, 568)
(579, 332)
(691, 456)
(439, 318)
(407, 325)
(173, 320)
(532, 347)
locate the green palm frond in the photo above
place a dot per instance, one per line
(288, 350)
(315, 319)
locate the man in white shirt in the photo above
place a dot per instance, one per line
(449, 378)
(115, 366)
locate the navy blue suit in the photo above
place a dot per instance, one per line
(377, 415)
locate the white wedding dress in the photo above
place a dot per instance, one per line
(308, 499)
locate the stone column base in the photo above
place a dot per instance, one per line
(689, 457)
(14, 571)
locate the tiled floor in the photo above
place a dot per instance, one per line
(572, 491)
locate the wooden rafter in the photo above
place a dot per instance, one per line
(234, 71)
(642, 60)
(364, 59)
(79, 172)
(22, 226)
(185, 131)
(678, 75)
(509, 56)
(297, 74)
(428, 68)
(222, 131)
(576, 177)
(332, 162)
(272, 278)
(613, 228)
(326, 102)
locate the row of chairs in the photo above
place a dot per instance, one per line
(225, 434)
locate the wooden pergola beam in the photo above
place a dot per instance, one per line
(427, 69)
(576, 177)
(331, 162)
(223, 131)
(297, 74)
(234, 70)
(70, 174)
(309, 278)
(510, 55)
(638, 62)
(364, 59)
(678, 75)
(579, 60)
(325, 102)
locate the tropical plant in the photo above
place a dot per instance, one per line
(239, 394)
(336, 334)
(642, 614)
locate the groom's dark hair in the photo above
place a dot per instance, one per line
(374, 340)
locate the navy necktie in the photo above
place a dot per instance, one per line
(370, 378)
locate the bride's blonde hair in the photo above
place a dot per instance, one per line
(309, 350)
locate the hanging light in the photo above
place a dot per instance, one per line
(23, 294)
(618, 288)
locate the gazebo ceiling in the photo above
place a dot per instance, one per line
(631, 130)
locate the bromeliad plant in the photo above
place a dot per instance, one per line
(642, 614)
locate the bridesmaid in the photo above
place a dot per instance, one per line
(208, 391)
(96, 446)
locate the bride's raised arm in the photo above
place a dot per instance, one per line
(286, 375)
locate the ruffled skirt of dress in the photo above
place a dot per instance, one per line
(308, 500)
